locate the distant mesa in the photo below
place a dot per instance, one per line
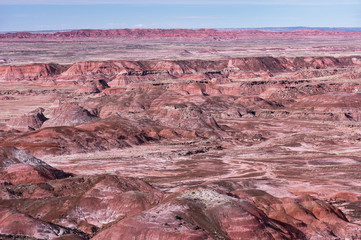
(208, 34)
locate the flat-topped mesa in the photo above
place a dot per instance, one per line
(180, 67)
(210, 34)
(214, 71)
(280, 64)
(136, 71)
(119, 67)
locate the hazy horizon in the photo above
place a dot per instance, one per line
(40, 15)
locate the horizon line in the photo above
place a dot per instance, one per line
(292, 28)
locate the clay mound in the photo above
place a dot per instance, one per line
(171, 109)
(69, 114)
(91, 87)
(17, 166)
(82, 68)
(129, 103)
(85, 203)
(33, 120)
(198, 214)
(16, 225)
(302, 212)
(222, 211)
(97, 136)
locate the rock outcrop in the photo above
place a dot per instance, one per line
(84, 203)
(69, 114)
(216, 213)
(31, 121)
(39, 201)
(98, 136)
(29, 72)
(113, 207)
(17, 225)
(126, 72)
(17, 166)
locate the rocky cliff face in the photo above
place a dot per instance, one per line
(125, 72)
(29, 72)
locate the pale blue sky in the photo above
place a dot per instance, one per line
(26, 15)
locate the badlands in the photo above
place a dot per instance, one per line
(180, 134)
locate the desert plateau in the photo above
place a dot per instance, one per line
(180, 134)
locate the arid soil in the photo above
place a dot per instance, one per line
(144, 44)
(188, 143)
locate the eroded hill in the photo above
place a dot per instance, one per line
(239, 148)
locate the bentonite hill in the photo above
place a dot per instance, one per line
(180, 134)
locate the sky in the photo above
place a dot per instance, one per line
(34, 15)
